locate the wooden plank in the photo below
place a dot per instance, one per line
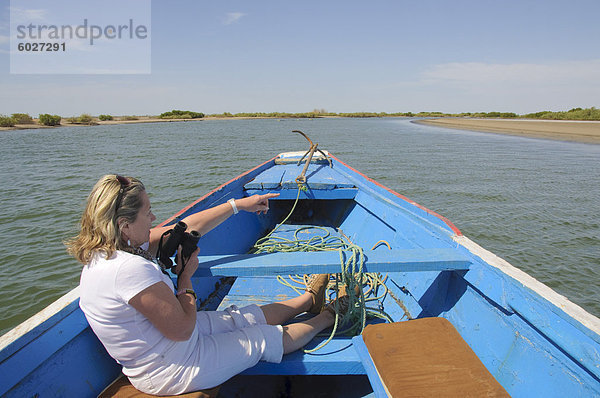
(408, 260)
(291, 194)
(268, 179)
(367, 362)
(427, 357)
(318, 176)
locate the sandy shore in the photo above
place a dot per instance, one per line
(563, 130)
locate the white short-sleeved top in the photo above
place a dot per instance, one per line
(107, 285)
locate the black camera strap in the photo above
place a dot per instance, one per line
(160, 242)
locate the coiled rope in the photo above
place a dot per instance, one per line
(351, 275)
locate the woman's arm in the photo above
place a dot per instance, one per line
(204, 221)
(174, 316)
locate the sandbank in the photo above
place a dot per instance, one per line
(563, 130)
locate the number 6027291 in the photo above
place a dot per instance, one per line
(41, 47)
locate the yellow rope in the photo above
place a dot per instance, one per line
(351, 273)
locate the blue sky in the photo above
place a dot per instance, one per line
(342, 56)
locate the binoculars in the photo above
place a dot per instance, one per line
(174, 238)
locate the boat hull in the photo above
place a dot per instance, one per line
(532, 340)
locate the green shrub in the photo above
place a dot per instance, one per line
(182, 116)
(22, 118)
(583, 114)
(105, 117)
(537, 115)
(177, 114)
(361, 114)
(6, 121)
(573, 114)
(85, 119)
(49, 120)
(500, 114)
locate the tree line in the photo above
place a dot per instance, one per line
(573, 114)
(86, 119)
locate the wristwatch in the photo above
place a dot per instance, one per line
(187, 291)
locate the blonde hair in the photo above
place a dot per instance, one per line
(113, 198)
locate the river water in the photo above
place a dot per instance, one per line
(535, 203)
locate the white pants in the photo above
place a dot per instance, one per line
(223, 344)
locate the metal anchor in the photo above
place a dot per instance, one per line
(301, 179)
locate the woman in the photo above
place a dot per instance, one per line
(155, 333)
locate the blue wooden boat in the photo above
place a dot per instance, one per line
(531, 340)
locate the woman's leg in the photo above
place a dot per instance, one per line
(283, 311)
(233, 318)
(311, 301)
(297, 335)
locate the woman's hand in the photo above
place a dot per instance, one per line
(186, 270)
(256, 203)
(204, 221)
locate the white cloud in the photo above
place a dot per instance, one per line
(232, 17)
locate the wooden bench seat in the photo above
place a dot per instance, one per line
(322, 262)
(122, 388)
(423, 358)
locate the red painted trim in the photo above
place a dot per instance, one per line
(211, 192)
(444, 219)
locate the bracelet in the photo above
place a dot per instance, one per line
(233, 206)
(187, 291)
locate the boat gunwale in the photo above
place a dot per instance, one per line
(573, 311)
(30, 324)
